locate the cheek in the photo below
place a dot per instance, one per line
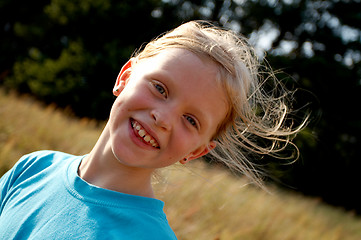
(128, 100)
(117, 111)
(182, 143)
(137, 96)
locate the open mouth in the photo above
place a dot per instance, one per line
(143, 135)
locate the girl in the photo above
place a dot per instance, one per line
(193, 91)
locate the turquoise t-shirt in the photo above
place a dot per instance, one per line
(42, 197)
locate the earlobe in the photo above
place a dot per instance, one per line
(184, 161)
(199, 152)
(123, 77)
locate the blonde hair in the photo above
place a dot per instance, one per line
(258, 116)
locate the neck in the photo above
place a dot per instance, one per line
(102, 169)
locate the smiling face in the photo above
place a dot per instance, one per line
(169, 109)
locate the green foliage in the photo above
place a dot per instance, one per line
(64, 11)
(51, 79)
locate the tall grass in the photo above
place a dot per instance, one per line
(27, 126)
(202, 203)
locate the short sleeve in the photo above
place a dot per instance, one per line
(11, 176)
(8, 179)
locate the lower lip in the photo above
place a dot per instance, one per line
(136, 140)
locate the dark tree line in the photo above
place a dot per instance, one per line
(70, 52)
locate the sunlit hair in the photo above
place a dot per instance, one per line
(257, 121)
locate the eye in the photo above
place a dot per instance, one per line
(192, 121)
(160, 89)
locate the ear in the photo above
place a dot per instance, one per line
(199, 152)
(123, 77)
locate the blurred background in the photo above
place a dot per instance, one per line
(69, 53)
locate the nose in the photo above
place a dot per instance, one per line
(162, 119)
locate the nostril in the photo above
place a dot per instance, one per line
(160, 120)
(154, 117)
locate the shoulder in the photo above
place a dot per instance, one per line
(32, 166)
(43, 159)
(38, 162)
(44, 154)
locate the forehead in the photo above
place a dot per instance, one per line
(176, 55)
(192, 79)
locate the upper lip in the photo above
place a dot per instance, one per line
(148, 130)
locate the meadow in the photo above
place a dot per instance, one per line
(202, 202)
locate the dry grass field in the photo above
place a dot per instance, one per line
(202, 203)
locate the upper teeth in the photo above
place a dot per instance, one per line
(142, 133)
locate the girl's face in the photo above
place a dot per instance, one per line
(169, 110)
